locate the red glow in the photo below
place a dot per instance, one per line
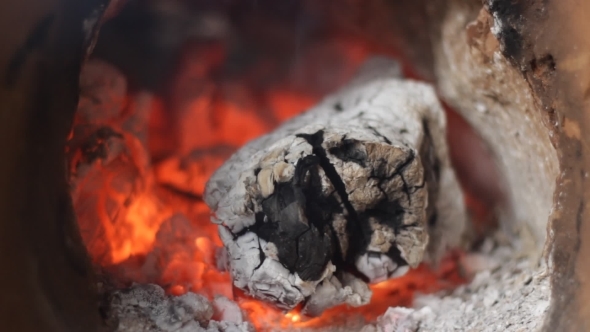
(394, 292)
(145, 221)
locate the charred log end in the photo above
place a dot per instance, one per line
(319, 197)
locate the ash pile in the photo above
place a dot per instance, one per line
(356, 190)
(147, 308)
(505, 284)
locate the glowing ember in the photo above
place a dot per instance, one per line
(393, 292)
(144, 221)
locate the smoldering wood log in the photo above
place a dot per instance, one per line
(362, 181)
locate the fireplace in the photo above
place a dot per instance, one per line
(404, 180)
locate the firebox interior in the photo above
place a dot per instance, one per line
(181, 85)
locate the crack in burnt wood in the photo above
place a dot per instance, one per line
(378, 134)
(431, 173)
(353, 224)
(298, 218)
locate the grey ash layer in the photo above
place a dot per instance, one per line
(357, 189)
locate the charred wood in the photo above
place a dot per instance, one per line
(360, 183)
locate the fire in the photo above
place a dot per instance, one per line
(137, 188)
(393, 292)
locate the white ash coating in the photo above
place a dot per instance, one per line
(364, 159)
(334, 291)
(227, 310)
(146, 307)
(379, 267)
(511, 296)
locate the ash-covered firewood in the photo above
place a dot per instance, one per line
(361, 183)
